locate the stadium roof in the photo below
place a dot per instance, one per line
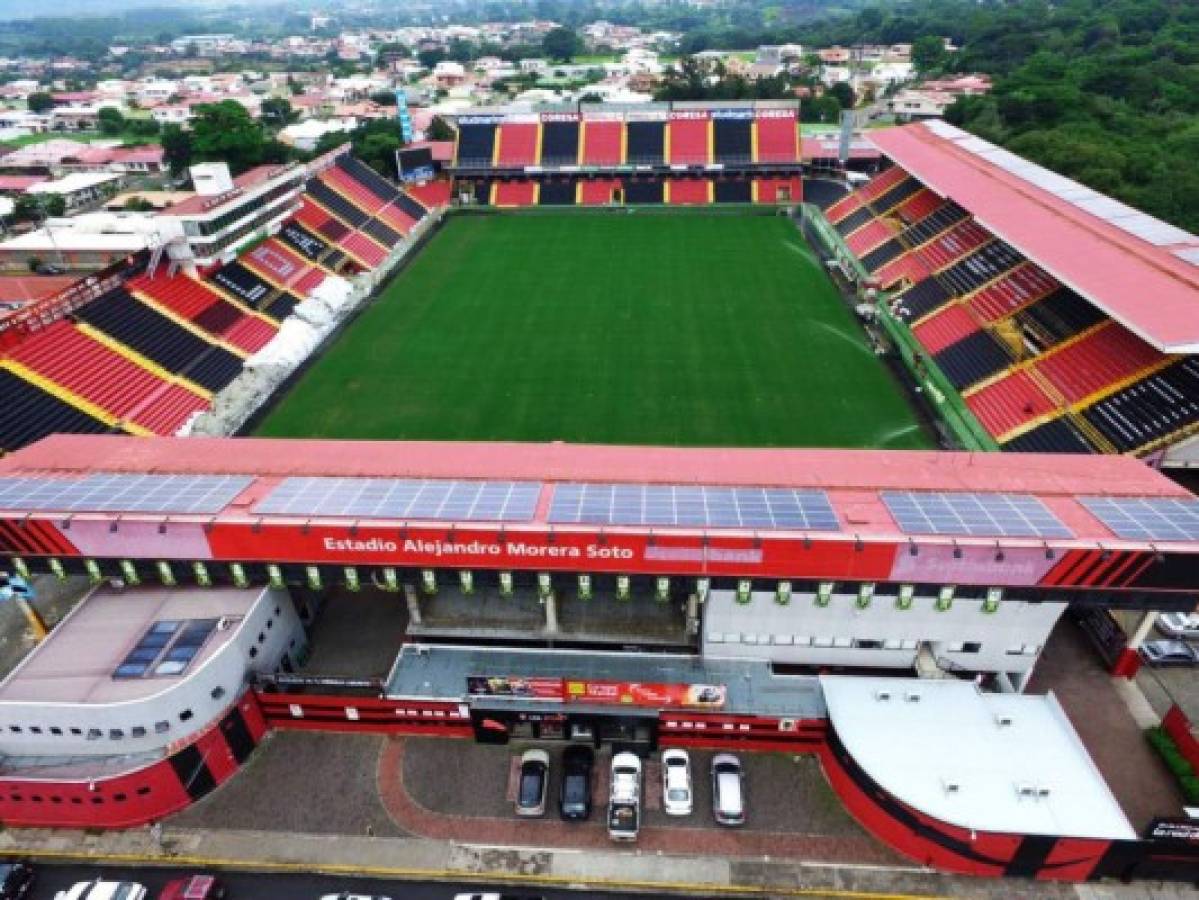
(1141, 271)
(852, 479)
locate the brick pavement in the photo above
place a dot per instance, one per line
(1137, 777)
(852, 846)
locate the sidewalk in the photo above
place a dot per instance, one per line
(400, 858)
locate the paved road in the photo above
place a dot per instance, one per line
(290, 887)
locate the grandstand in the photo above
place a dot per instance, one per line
(144, 348)
(1064, 320)
(660, 153)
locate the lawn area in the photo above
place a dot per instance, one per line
(642, 328)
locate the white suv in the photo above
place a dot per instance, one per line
(103, 890)
(676, 783)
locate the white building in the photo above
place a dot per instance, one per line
(80, 190)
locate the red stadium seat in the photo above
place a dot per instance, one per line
(690, 142)
(603, 143)
(777, 140)
(517, 144)
(687, 191)
(945, 327)
(515, 193)
(1102, 359)
(1008, 403)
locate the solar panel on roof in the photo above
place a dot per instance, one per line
(991, 515)
(109, 492)
(699, 506)
(404, 498)
(1147, 518)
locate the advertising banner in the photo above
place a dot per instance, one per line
(531, 688)
(655, 695)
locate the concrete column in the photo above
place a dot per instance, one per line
(413, 600)
(551, 613)
(1022, 681)
(693, 614)
(1004, 682)
(1129, 661)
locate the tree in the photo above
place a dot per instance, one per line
(38, 207)
(439, 130)
(430, 56)
(562, 44)
(39, 102)
(843, 93)
(224, 132)
(277, 112)
(110, 120)
(929, 53)
(178, 148)
(142, 127)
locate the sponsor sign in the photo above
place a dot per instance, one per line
(701, 114)
(1177, 831)
(531, 688)
(480, 120)
(776, 114)
(650, 116)
(656, 695)
(559, 117)
(732, 114)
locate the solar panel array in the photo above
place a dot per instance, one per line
(990, 515)
(109, 492)
(167, 648)
(1151, 518)
(692, 506)
(404, 498)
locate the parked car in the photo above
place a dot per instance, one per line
(16, 881)
(1169, 653)
(349, 895)
(728, 794)
(624, 799)
(574, 800)
(99, 889)
(534, 781)
(676, 783)
(193, 887)
(1179, 625)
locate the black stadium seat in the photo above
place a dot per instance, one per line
(1057, 317)
(560, 144)
(380, 231)
(983, 265)
(1152, 408)
(854, 221)
(556, 193)
(643, 190)
(368, 177)
(29, 414)
(883, 254)
(733, 140)
(410, 206)
(734, 190)
(153, 335)
(1057, 436)
(934, 223)
(646, 144)
(476, 146)
(303, 241)
(243, 284)
(219, 316)
(280, 308)
(972, 359)
(823, 192)
(896, 195)
(349, 213)
(923, 297)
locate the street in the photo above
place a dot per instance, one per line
(247, 886)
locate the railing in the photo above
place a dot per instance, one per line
(48, 310)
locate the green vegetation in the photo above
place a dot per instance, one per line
(1179, 766)
(1104, 91)
(561, 44)
(222, 132)
(645, 328)
(374, 142)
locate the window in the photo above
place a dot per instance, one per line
(94, 734)
(253, 652)
(142, 791)
(35, 729)
(218, 692)
(77, 731)
(185, 715)
(167, 648)
(56, 731)
(15, 729)
(261, 637)
(860, 644)
(137, 731)
(162, 727)
(972, 647)
(115, 734)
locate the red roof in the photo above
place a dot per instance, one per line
(827, 148)
(101, 155)
(852, 478)
(20, 182)
(1148, 283)
(198, 204)
(443, 151)
(33, 287)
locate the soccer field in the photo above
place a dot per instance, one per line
(687, 329)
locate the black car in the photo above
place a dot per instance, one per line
(574, 800)
(16, 881)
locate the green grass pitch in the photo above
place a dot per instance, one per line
(644, 328)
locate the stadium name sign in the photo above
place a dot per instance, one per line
(439, 549)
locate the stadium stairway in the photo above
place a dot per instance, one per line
(30, 413)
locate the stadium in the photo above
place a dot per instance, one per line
(648, 396)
